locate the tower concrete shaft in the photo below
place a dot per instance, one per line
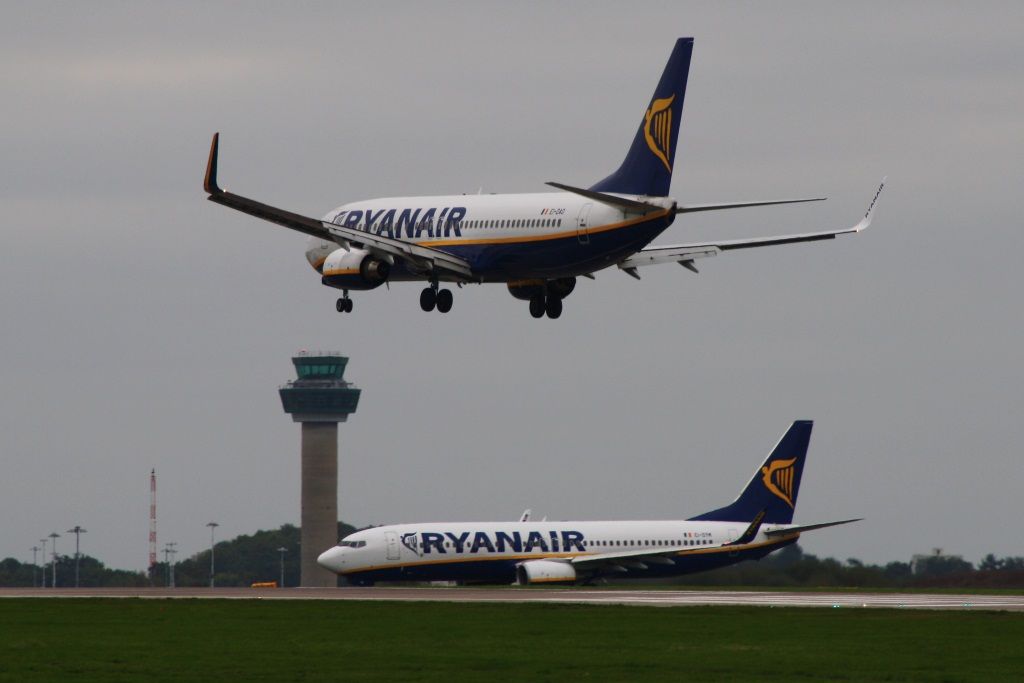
(319, 500)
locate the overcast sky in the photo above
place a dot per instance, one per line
(146, 327)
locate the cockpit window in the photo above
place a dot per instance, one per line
(352, 544)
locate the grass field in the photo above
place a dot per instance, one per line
(250, 640)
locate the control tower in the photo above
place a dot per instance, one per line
(319, 399)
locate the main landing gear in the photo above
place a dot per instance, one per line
(540, 304)
(431, 297)
(545, 296)
(344, 304)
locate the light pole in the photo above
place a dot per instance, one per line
(212, 525)
(35, 566)
(77, 531)
(282, 550)
(53, 548)
(43, 557)
(169, 553)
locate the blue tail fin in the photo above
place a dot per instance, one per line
(775, 484)
(647, 168)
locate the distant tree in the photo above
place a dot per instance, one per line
(942, 565)
(990, 564)
(896, 573)
(91, 572)
(1013, 563)
(246, 559)
(17, 575)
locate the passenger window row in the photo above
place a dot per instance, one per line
(514, 223)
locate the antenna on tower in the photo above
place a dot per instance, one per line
(152, 523)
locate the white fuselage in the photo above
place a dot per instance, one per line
(490, 550)
(503, 235)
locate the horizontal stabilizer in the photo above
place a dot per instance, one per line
(655, 254)
(614, 200)
(807, 527)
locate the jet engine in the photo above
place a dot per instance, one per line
(544, 571)
(355, 269)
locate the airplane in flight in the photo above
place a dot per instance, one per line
(758, 522)
(536, 244)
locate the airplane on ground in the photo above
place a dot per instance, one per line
(758, 522)
(536, 244)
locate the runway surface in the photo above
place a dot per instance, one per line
(604, 596)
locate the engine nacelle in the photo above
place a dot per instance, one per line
(528, 289)
(355, 269)
(544, 571)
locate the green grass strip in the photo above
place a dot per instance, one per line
(270, 640)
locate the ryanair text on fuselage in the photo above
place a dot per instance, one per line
(408, 223)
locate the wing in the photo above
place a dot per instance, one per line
(642, 559)
(423, 259)
(691, 208)
(685, 254)
(632, 559)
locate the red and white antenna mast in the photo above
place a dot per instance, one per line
(152, 521)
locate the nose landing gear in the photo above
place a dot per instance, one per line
(344, 304)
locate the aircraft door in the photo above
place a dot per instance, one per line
(583, 223)
(393, 549)
(733, 535)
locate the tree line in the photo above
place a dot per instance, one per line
(240, 561)
(792, 567)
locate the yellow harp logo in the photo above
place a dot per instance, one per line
(778, 478)
(658, 129)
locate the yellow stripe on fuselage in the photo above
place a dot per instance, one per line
(450, 560)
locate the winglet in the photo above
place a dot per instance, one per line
(210, 179)
(751, 532)
(870, 214)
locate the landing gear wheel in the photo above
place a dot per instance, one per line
(444, 300)
(537, 307)
(428, 299)
(344, 305)
(554, 307)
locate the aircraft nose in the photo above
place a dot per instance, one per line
(332, 559)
